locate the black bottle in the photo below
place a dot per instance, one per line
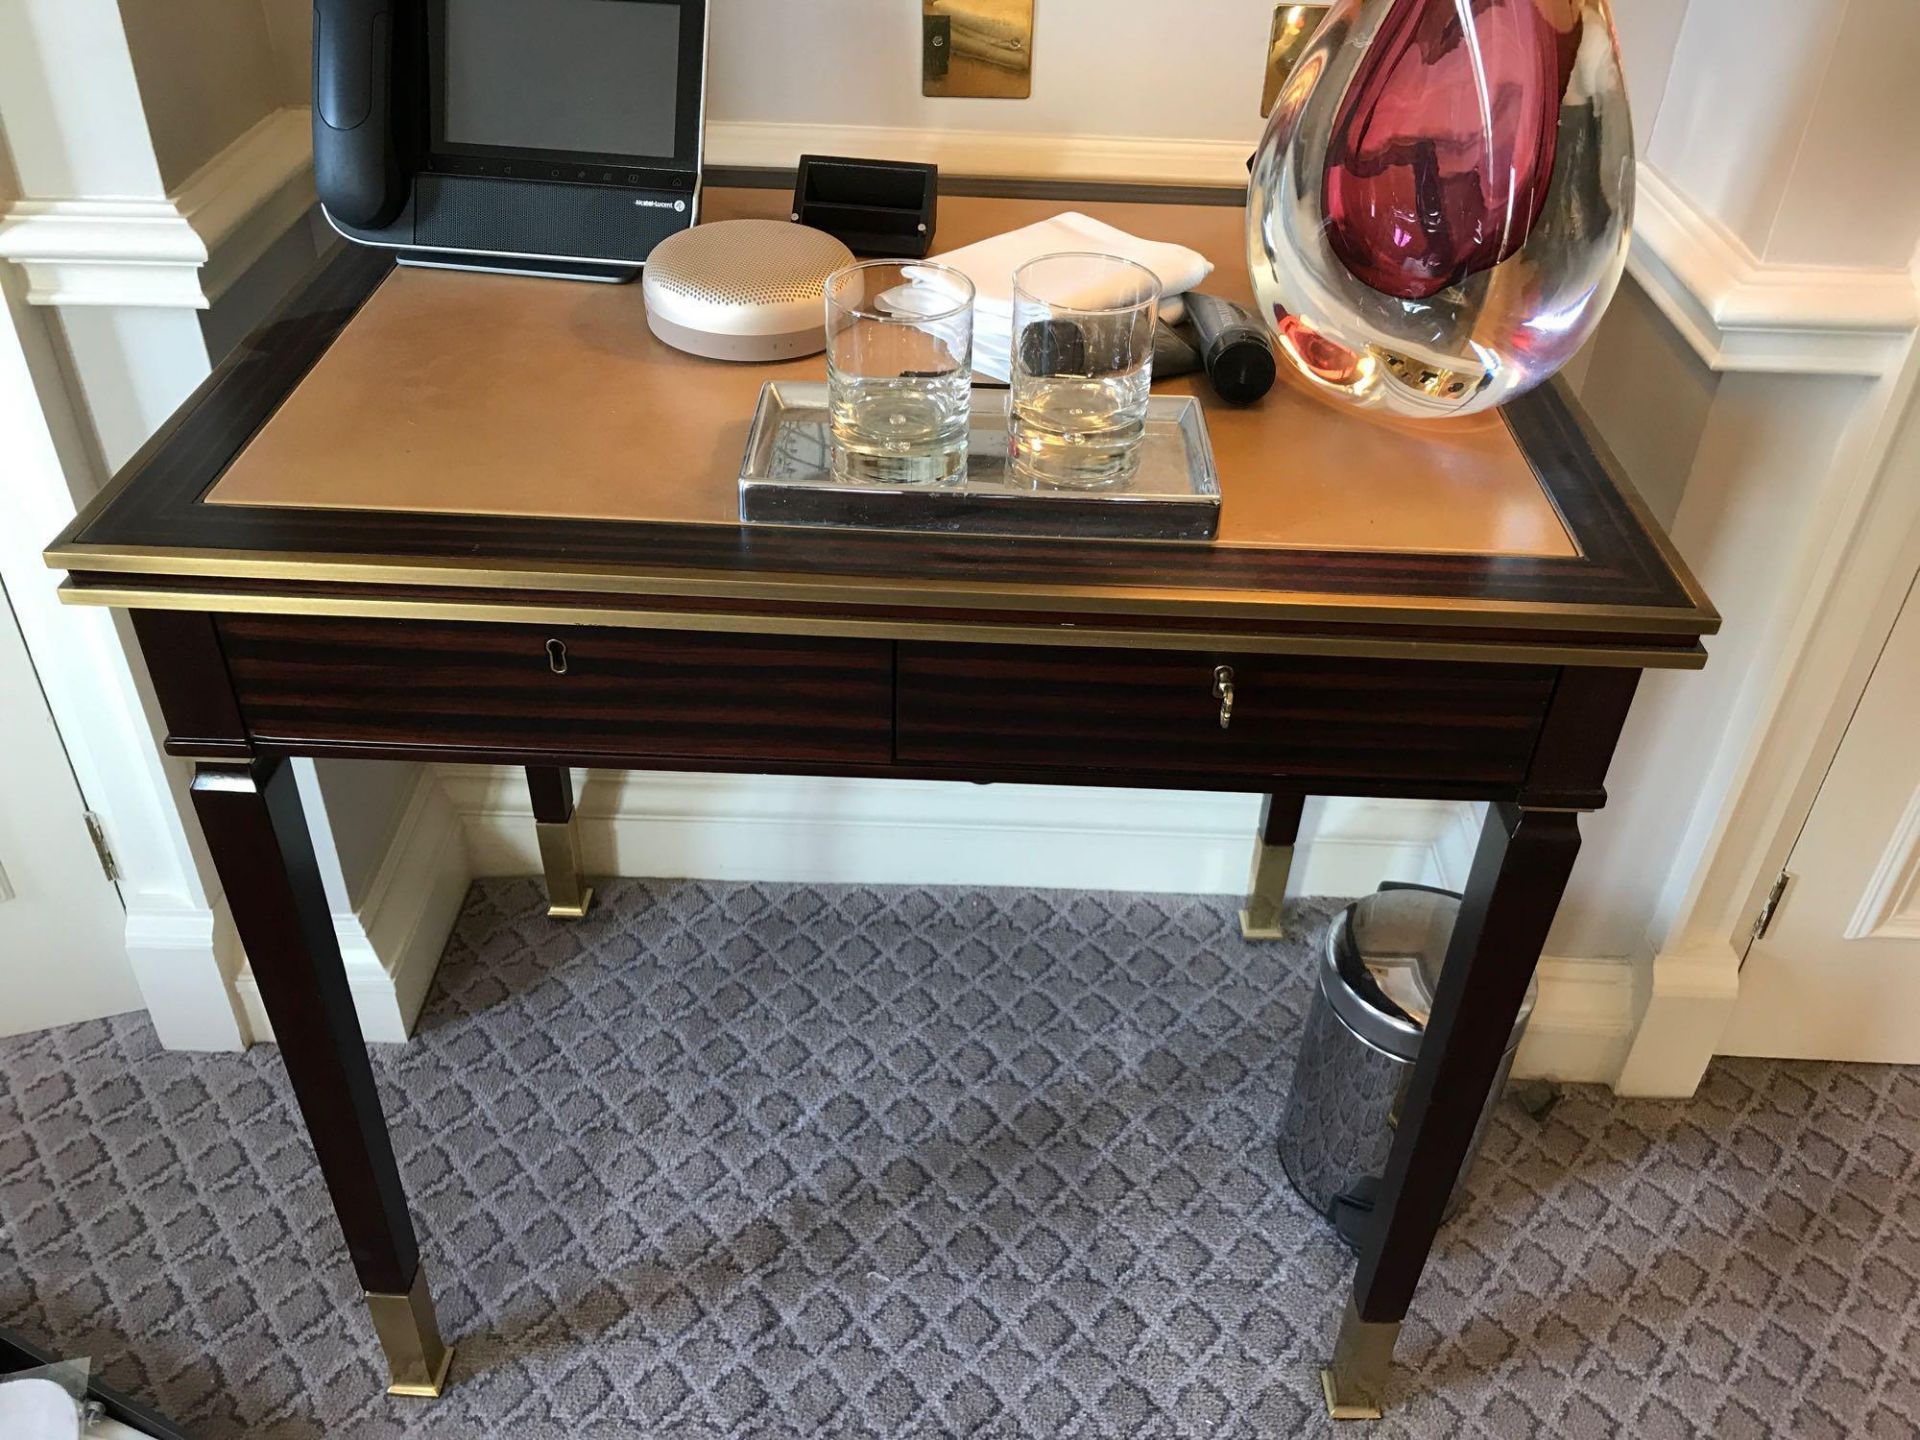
(1234, 347)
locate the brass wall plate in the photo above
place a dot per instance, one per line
(1293, 26)
(981, 49)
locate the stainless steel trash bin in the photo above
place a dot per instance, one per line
(1377, 977)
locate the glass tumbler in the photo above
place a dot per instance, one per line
(899, 371)
(1082, 367)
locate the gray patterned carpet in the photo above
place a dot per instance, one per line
(770, 1161)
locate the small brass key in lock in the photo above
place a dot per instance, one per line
(1223, 692)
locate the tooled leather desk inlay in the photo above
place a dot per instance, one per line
(476, 394)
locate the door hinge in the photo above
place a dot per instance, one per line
(98, 833)
(1763, 922)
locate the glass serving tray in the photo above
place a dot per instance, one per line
(787, 479)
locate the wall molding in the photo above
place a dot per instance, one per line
(1008, 153)
(165, 945)
(1736, 310)
(180, 252)
(1742, 314)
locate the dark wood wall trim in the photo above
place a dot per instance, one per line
(774, 177)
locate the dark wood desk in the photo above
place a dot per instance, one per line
(440, 517)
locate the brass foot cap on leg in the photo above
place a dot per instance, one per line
(417, 1358)
(1362, 1367)
(1262, 927)
(430, 1389)
(573, 912)
(1345, 1409)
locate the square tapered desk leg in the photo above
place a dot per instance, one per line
(257, 833)
(569, 897)
(1519, 873)
(1272, 863)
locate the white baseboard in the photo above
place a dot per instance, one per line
(411, 906)
(1583, 1022)
(185, 962)
(392, 945)
(1455, 843)
(1689, 1003)
(825, 831)
(465, 821)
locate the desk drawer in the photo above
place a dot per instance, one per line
(1359, 720)
(623, 693)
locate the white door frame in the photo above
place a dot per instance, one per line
(125, 265)
(64, 957)
(75, 126)
(1801, 703)
(103, 705)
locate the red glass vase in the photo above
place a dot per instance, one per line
(1441, 207)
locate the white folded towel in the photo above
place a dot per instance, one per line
(990, 265)
(37, 1410)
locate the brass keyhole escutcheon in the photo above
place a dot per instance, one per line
(1223, 692)
(557, 656)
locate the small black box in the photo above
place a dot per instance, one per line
(874, 207)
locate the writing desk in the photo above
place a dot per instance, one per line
(448, 517)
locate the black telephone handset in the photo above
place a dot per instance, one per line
(356, 148)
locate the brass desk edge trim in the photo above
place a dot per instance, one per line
(1636, 503)
(854, 589)
(1616, 657)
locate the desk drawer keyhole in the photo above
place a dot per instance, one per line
(557, 656)
(1223, 692)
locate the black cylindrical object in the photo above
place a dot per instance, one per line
(1234, 347)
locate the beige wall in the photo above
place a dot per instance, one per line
(1649, 395)
(857, 62)
(1101, 67)
(1649, 30)
(207, 72)
(290, 25)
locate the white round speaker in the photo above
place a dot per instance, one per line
(743, 289)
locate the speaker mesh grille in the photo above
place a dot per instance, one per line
(747, 262)
(586, 222)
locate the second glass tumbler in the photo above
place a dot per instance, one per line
(1082, 368)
